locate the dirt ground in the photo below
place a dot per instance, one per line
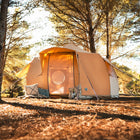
(60, 119)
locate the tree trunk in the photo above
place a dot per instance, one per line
(107, 32)
(90, 28)
(91, 40)
(3, 29)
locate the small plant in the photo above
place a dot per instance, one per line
(134, 87)
(14, 91)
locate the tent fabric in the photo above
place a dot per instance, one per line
(74, 48)
(76, 71)
(59, 69)
(114, 86)
(35, 75)
(44, 54)
(93, 67)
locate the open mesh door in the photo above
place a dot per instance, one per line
(60, 73)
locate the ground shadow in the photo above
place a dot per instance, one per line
(46, 111)
(105, 103)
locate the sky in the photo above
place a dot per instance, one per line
(42, 29)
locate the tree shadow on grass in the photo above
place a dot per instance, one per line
(47, 111)
(44, 112)
(105, 103)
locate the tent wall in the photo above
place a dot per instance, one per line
(45, 71)
(87, 70)
(35, 74)
(94, 78)
(114, 86)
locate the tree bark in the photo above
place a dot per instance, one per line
(90, 29)
(3, 29)
(107, 32)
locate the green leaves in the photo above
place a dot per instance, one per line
(16, 51)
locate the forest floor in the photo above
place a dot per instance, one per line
(48, 119)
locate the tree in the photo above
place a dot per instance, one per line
(76, 20)
(117, 25)
(15, 50)
(134, 22)
(110, 13)
(3, 29)
(107, 29)
(87, 22)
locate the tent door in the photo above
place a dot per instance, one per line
(60, 73)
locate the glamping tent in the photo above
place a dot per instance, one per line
(60, 69)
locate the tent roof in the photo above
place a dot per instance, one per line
(74, 47)
(55, 50)
(65, 48)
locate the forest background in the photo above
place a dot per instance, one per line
(108, 27)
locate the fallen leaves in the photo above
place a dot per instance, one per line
(69, 119)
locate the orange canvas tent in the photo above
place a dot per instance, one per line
(59, 69)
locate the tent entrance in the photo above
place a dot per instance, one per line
(60, 73)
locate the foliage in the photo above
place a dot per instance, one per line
(134, 23)
(134, 86)
(116, 25)
(3, 30)
(91, 23)
(129, 81)
(14, 91)
(76, 21)
(16, 49)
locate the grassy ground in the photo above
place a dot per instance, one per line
(117, 119)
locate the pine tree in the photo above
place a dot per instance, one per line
(3, 30)
(14, 51)
(88, 22)
(116, 26)
(17, 51)
(76, 21)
